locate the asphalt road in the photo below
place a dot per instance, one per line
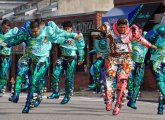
(79, 108)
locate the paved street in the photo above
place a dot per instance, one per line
(80, 108)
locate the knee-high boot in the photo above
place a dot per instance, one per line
(28, 101)
(56, 92)
(121, 87)
(55, 81)
(160, 104)
(68, 88)
(108, 100)
(69, 81)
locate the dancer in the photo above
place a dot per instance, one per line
(23, 69)
(5, 58)
(97, 68)
(118, 60)
(67, 62)
(137, 72)
(157, 37)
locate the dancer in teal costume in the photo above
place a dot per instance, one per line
(23, 70)
(5, 58)
(67, 62)
(137, 72)
(158, 61)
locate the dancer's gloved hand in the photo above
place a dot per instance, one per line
(154, 47)
(3, 44)
(77, 37)
(80, 62)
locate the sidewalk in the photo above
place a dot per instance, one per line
(149, 96)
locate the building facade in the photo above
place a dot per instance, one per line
(66, 7)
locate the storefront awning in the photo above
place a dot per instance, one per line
(144, 13)
(120, 12)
